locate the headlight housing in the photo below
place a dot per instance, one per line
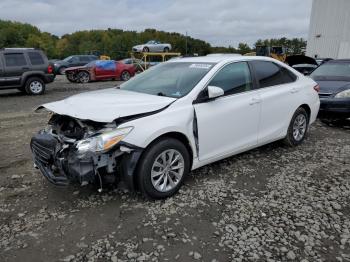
(104, 141)
(343, 94)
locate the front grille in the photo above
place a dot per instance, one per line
(324, 95)
(42, 153)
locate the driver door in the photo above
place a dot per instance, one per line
(229, 123)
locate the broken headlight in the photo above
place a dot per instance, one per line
(103, 141)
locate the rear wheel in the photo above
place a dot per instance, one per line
(297, 128)
(166, 49)
(35, 86)
(125, 76)
(163, 168)
(62, 70)
(83, 77)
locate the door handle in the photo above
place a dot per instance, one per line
(255, 101)
(294, 90)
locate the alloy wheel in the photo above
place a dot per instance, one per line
(36, 87)
(167, 170)
(299, 127)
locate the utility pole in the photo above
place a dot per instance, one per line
(186, 43)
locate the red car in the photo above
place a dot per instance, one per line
(100, 70)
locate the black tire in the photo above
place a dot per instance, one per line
(149, 157)
(166, 49)
(291, 139)
(125, 76)
(62, 70)
(35, 86)
(145, 49)
(83, 77)
(71, 78)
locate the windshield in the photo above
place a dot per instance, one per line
(327, 70)
(168, 79)
(67, 58)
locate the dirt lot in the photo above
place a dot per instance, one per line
(270, 204)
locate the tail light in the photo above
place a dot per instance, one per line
(50, 69)
(317, 88)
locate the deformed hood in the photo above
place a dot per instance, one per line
(108, 104)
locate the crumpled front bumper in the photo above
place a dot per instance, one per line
(61, 164)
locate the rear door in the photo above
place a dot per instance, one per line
(83, 60)
(15, 65)
(229, 123)
(279, 92)
(37, 60)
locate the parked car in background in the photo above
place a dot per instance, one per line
(305, 69)
(74, 60)
(26, 69)
(139, 64)
(320, 61)
(334, 80)
(152, 46)
(100, 70)
(152, 130)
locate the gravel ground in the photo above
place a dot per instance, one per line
(273, 203)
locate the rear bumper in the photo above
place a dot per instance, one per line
(61, 164)
(49, 78)
(334, 108)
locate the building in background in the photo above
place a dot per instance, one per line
(329, 31)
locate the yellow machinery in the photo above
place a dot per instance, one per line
(276, 52)
(146, 56)
(105, 57)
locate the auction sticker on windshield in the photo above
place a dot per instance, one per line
(200, 66)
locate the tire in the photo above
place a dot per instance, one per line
(62, 70)
(145, 49)
(71, 78)
(166, 49)
(125, 76)
(298, 128)
(159, 186)
(35, 86)
(83, 77)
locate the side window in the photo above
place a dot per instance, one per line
(35, 58)
(15, 60)
(84, 59)
(233, 78)
(270, 74)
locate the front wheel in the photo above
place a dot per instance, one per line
(125, 76)
(297, 128)
(163, 168)
(83, 77)
(145, 49)
(166, 49)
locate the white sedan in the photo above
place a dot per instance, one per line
(177, 116)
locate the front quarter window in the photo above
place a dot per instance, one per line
(171, 79)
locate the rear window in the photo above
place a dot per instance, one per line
(15, 59)
(271, 74)
(36, 58)
(84, 58)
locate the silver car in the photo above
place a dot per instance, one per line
(152, 46)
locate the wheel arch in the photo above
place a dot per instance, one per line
(28, 76)
(307, 109)
(176, 135)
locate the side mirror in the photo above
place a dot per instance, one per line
(214, 91)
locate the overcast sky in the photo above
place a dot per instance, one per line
(220, 22)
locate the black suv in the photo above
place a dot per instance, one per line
(73, 60)
(26, 69)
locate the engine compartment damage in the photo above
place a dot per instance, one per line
(56, 154)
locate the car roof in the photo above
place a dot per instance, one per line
(221, 58)
(339, 61)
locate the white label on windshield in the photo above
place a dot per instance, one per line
(201, 66)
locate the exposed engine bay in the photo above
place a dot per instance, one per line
(84, 151)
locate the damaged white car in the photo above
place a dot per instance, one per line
(178, 116)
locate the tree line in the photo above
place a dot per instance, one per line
(117, 43)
